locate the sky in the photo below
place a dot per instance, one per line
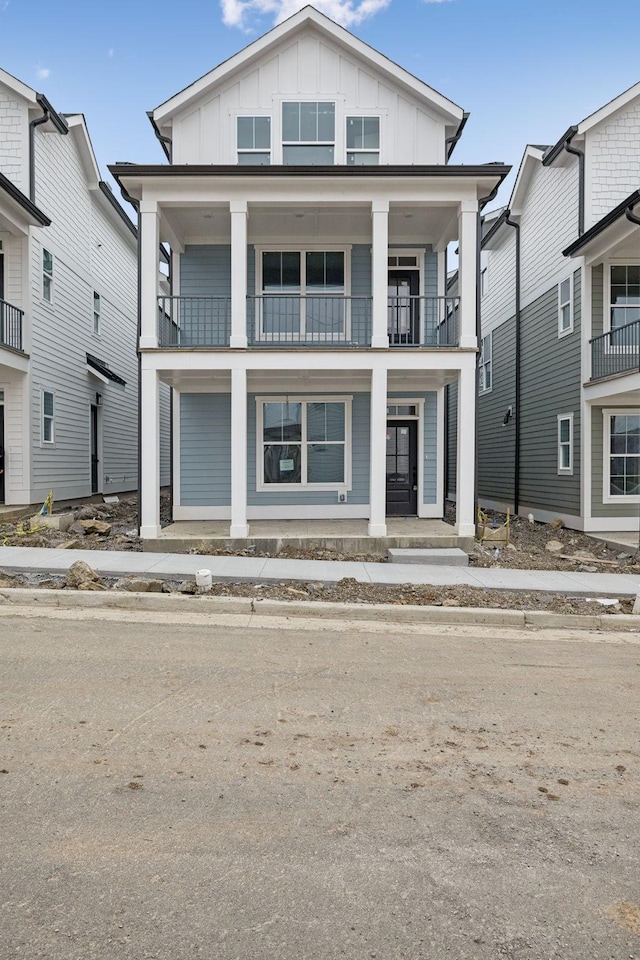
(524, 69)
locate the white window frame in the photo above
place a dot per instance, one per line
(345, 249)
(482, 363)
(359, 115)
(484, 273)
(607, 413)
(607, 304)
(44, 417)
(48, 276)
(247, 150)
(565, 471)
(338, 133)
(97, 314)
(304, 399)
(565, 331)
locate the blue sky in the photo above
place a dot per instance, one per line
(525, 69)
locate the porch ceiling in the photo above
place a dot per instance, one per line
(304, 381)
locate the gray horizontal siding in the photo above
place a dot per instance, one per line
(205, 270)
(598, 508)
(451, 440)
(597, 300)
(496, 443)
(205, 449)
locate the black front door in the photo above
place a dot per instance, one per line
(94, 449)
(403, 309)
(402, 468)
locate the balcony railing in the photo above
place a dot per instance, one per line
(617, 351)
(10, 325)
(289, 320)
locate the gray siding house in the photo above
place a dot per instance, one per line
(559, 367)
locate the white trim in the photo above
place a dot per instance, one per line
(440, 455)
(607, 413)
(627, 96)
(45, 275)
(612, 524)
(359, 114)
(606, 293)
(586, 458)
(304, 399)
(238, 113)
(99, 376)
(337, 511)
(52, 418)
(417, 402)
(175, 428)
(482, 364)
(565, 471)
(565, 331)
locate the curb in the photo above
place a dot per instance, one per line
(317, 610)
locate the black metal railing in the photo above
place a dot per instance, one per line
(308, 320)
(617, 351)
(10, 325)
(423, 321)
(194, 321)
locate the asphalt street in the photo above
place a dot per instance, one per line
(259, 792)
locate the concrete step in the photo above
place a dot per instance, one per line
(440, 556)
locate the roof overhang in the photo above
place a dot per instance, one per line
(20, 209)
(625, 98)
(608, 233)
(531, 158)
(99, 369)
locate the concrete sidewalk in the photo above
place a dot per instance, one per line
(178, 566)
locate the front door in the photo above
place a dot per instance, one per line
(403, 310)
(402, 468)
(95, 487)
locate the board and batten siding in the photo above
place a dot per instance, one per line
(496, 443)
(550, 385)
(598, 508)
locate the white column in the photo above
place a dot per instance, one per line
(239, 526)
(239, 212)
(467, 271)
(378, 455)
(149, 263)
(150, 455)
(465, 477)
(380, 272)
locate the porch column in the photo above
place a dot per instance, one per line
(149, 266)
(468, 269)
(378, 455)
(239, 213)
(239, 526)
(465, 476)
(150, 455)
(380, 273)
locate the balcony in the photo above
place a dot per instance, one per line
(616, 352)
(292, 320)
(10, 326)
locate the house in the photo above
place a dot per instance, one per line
(68, 310)
(308, 204)
(559, 379)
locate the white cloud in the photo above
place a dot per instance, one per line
(111, 53)
(346, 12)
(42, 73)
(3, 5)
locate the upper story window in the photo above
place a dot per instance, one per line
(96, 312)
(47, 275)
(47, 417)
(485, 364)
(308, 133)
(254, 141)
(363, 140)
(624, 294)
(565, 307)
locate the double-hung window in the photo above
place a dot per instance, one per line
(624, 295)
(308, 133)
(254, 141)
(485, 364)
(96, 312)
(47, 417)
(363, 140)
(565, 307)
(565, 443)
(47, 275)
(303, 295)
(622, 454)
(303, 443)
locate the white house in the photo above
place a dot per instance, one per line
(559, 403)
(68, 310)
(308, 204)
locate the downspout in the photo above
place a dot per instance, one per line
(580, 155)
(450, 142)
(32, 149)
(165, 142)
(516, 452)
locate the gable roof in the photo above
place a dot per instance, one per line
(28, 209)
(306, 17)
(609, 218)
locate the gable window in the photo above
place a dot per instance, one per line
(565, 443)
(47, 417)
(622, 454)
(303, 294)
(303, 442)
(308, 133)
(96, 312)
(254, 141)
(47, 276)
(363, 140)
(624, 296)
(485, 364)
(565, 307)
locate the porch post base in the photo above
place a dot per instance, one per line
(148, 343)
(377, 530)
(149, 532)
(238, 341)
(468, 343)
(466, 530)
(239, 530)
(380, 342)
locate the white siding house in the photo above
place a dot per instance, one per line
(566, 357)
(68, 310)
(308, 203)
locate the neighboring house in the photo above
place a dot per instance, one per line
(68, 310)
(308, 206)
(559, 369)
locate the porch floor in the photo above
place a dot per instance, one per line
(340, 536)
